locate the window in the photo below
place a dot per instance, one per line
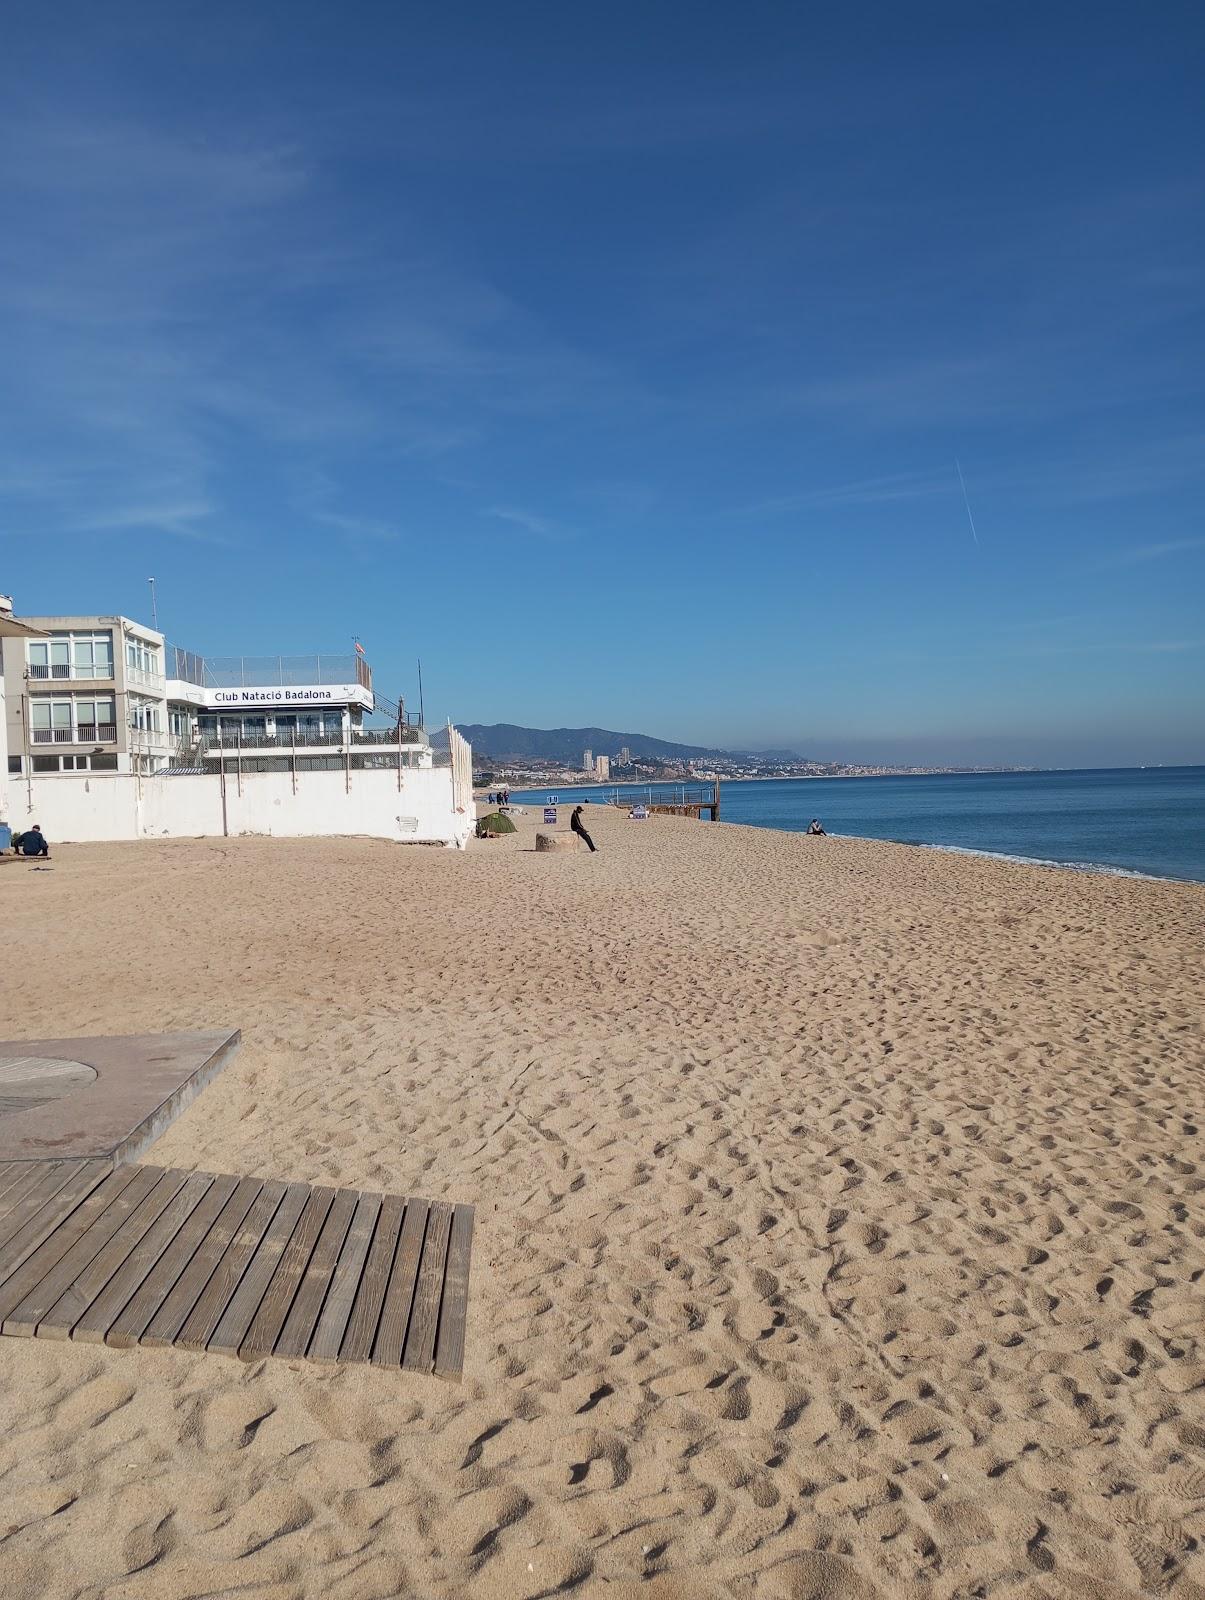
(96, 721)
(45, 763)
(104, 763)
(51, 721)
(141, 657)
(72, 655)
(74, 721)
(144, 715)
(178, 722)
(14, 764)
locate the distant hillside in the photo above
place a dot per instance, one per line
(504, 741)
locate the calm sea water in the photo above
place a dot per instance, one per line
(1146, 820)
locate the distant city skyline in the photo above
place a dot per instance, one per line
(772, 377)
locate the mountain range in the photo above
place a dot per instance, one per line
(506, 741)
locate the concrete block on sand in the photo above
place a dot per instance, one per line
(556, 841)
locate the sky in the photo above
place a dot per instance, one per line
(622, 362)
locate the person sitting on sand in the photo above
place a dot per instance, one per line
(575, 822)
(33, 842)
(815, 828)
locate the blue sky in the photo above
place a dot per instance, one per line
(617, 360)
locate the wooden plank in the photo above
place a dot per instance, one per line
(366, 1314)
(453, 1310)
(244, 1303)
(303, 1315)
(274, 1308)
(95, 1322)
(163, 1327)
(399, 1296)
(66, 1311)
(336, 1311)
(419, 1354)
(57, 1227)
(207, 1313)
(90, 1237)
(15, 1177)
(56, 1178)
(176, 1258)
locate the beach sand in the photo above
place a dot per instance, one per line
(840, 1226)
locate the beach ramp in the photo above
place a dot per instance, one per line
(249, 1267)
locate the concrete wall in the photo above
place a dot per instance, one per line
(103, 806)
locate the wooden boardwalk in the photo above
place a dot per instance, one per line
(242, 1266)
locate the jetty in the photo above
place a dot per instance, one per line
(671, 799)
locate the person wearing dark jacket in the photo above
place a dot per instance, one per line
(575, 822)
(33, 842)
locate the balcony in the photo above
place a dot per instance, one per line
(100, 672)
(304, 739)
(86, 733)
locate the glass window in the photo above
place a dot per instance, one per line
(14, 764)
(45, 763)
(60, 658)
(40, 711)
(60, 714)
(104, 763)
(106, 711)
(39, 654)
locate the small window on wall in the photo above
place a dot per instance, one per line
(45, 763)
(14, 764)
(104, 763)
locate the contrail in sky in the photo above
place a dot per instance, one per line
(966, 500)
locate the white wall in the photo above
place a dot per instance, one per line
(101, 806)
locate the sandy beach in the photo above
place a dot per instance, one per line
(840, 1225)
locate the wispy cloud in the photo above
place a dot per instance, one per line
(887, 490)
(172, 306)
(1137, 555)
(543, 527)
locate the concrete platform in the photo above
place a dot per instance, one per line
(104, 1098)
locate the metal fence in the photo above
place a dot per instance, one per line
(243, 672)
(300, 738)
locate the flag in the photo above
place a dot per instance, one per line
(359, 648)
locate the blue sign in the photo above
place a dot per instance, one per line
(549, 813)
(552, 799)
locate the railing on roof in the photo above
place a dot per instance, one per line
(211, 742)
(253, 672)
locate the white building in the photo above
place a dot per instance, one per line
(602, 768)
(587, 760)
(92, 697)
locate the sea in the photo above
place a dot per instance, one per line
(1145, 821)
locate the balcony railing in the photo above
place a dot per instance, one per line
(304, 738)
(101, 672)
(86, 733)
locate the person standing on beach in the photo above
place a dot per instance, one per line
(575, 822)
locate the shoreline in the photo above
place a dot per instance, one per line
(1087, 868)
